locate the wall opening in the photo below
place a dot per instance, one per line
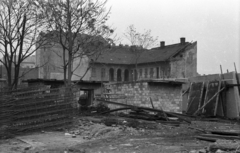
(103, 73)
(119, 75)
(135, 75)
(157, 72)
(111, 74)
(126, 75)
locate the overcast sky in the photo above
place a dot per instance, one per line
(214, 24)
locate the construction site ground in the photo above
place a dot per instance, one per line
(111, 134)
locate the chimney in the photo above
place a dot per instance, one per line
(162, 43)
(182, 40)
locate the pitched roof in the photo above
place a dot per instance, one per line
(125, 55)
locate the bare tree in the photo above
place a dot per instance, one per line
(140, 42)
(144, 40)
(19, 28)
(80, 27)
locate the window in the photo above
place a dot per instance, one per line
(151, 72)
(157, 69)
(146, 72)
(140, 73)
(103, 73)
(93, 72)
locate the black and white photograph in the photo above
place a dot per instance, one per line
(119, 76)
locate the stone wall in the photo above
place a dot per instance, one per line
(163, 95)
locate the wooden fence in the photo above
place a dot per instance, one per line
(36, 108)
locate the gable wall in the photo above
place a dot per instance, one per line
(184, 65)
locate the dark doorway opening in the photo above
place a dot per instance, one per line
(119, 75)
(126, 75)
(111, 74)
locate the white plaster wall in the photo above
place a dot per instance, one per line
(80, 67)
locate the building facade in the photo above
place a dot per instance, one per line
(122, 63)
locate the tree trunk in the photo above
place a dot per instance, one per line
(16, 76)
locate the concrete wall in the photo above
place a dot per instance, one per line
(163, 95)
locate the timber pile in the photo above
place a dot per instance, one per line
(146, 113)
(177, 119)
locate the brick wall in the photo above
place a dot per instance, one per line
(163, 95)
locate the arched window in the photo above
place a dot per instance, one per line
(119, 75)
(111, 74)
(126, 75)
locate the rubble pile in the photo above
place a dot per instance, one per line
(90, 130)
(221, 146)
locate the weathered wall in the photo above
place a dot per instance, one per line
(163, 95)
(50, 61)
(184, 65)
(81, 69)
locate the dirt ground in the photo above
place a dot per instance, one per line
(91, 135)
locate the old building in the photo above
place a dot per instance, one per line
(51, 59)
(124, 63)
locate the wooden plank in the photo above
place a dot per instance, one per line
(195, 99)
(185, 93)
(206, 138)
(210, 101)
(229, 133)
(221, 136)
(145, 108)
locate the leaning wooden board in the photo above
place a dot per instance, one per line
(195, 99)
